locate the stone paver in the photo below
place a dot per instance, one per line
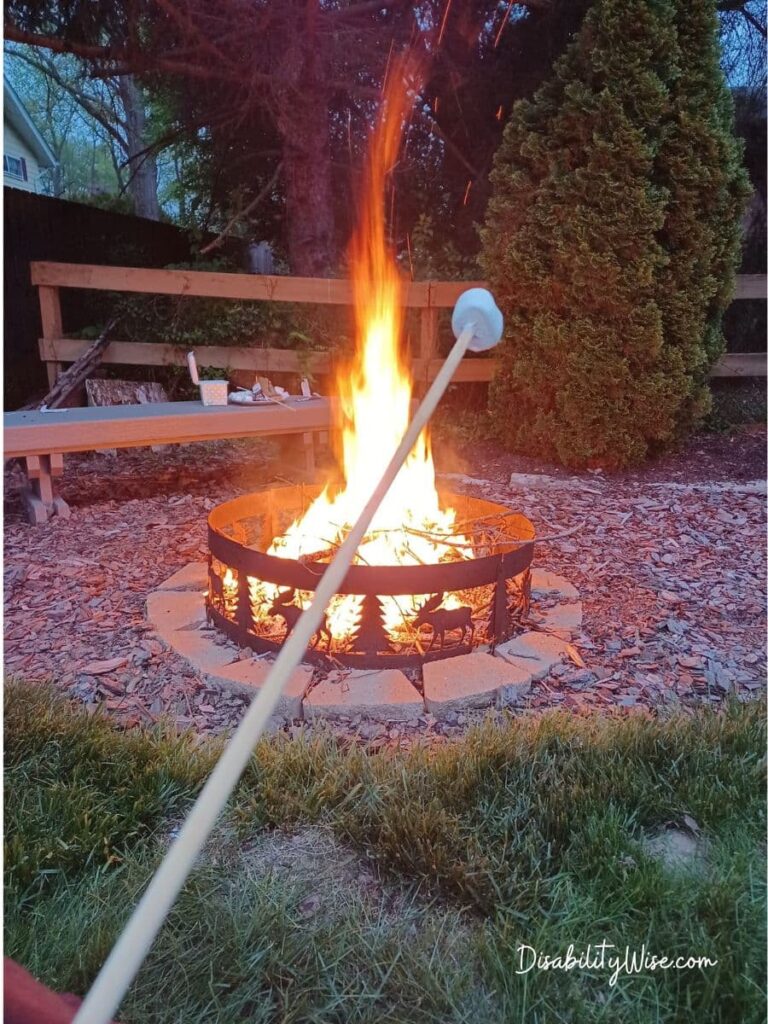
(179, 619)
(245, 677)
(477, 680)
(191, 577)
(472, 681)
(546, 584)
(535, 653)
(563, 620)
(384, 695)
(170, 610)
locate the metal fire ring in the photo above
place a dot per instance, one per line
(240, 531)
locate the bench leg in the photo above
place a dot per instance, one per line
(39, 496)
(298, 450)
(310, 465)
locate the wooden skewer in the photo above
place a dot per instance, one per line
(123, 963)
(267, 398)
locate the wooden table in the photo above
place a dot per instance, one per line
(42, 438)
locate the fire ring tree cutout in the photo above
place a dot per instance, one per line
(476, 594)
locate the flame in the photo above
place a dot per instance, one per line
(375, 399)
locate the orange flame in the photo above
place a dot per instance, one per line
(375, 393)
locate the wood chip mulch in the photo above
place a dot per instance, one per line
(670, 561)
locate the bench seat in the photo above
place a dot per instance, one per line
(134, 426)
(41, 438)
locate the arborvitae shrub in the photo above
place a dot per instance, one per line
(610, 241)
(700, 163)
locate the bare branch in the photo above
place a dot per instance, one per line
(755, 23)
(48, 67)
(367, 7)
(187, 26)
(122, 62)
(243, 213)
(17, 35)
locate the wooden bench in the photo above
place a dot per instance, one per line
(42, 438)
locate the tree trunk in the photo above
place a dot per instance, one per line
(58, 183)
(309, 217)
(303, 121)
(142, 166)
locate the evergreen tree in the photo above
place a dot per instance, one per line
(700, 163)
(598, 185)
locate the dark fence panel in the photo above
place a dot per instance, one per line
(43, 228)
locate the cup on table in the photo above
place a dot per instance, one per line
(214, 392)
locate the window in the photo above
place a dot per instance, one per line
(15, 167)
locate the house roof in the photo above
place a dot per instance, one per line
(18, 117)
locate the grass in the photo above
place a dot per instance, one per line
(535, 833)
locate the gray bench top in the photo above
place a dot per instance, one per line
(132, 426)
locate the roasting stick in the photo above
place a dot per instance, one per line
(478, 325)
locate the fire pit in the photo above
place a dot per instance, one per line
(435, 609)
(385, 615)
(436, 575)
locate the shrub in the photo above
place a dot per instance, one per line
(192, 321)
(612, 236)
(700, 163)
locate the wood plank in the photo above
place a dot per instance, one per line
(50, 318)
(276, 360)
(732, 364)
(211, 285)
(427, 343)
(229, 357)
(469, 369)
(741, 364)
(443, 294)
(135, 426)
(751, 286)
(337, 291)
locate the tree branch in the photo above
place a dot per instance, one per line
(13, 34)
(243, 213)
(123, 62)
(186, 24)
(47, 67)
(755, 23)
(367, 7)
(426, 118)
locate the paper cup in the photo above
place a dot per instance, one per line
(213, 392)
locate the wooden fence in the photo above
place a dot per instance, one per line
(428, 297)
(43, 228)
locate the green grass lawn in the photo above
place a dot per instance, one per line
(392, 887)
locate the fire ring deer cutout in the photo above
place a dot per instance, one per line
(290, 613)
(445, 620)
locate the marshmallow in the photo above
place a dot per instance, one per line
(476, 307)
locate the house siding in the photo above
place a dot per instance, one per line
(14, 145)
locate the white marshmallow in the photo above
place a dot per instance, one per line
(477, 307)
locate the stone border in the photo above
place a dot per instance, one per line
(479, 680)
